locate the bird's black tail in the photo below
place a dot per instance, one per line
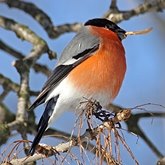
(43, 123)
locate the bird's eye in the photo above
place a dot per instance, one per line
(110, 27)
(107, 26)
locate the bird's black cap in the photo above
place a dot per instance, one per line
(102, 22)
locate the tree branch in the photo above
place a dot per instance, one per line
(37, 67)
(23, 66)
(148, 6)
(133, 126)
(90, 134)
(61, 29)
(24, 33)
(39, 15)
(12, 86)
(43, 19)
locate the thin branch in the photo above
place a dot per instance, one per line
(85, 138)
(113, 14)
(138, 116)
(146, 7)
(133, 126)
(4, 93)
(65, 136)
(24, 33)
(12, 86)
(65, 28)
(39, 15)
(23, 93)
(6, 115)
(37, 67)
(43, 19)
(113, 6)
(23, 65)
(63, 147)
(10, 50)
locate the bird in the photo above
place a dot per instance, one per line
(92, 66)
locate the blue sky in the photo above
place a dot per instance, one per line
(145, 54)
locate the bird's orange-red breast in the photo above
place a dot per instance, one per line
(104, 70)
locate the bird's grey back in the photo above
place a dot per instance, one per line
(82, 41)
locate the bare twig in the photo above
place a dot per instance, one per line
(23, 66)
(145, 31)
(23, 93)
(39, 15)
(61, 29)
(6, 116)
(146, 7)
(24, 33)
(113, 6)
(12, 86)
(133, 126)
(37, 67)
(63, 147)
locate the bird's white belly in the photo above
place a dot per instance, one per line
(72, 98)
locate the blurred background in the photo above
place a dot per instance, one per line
(145, 54)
